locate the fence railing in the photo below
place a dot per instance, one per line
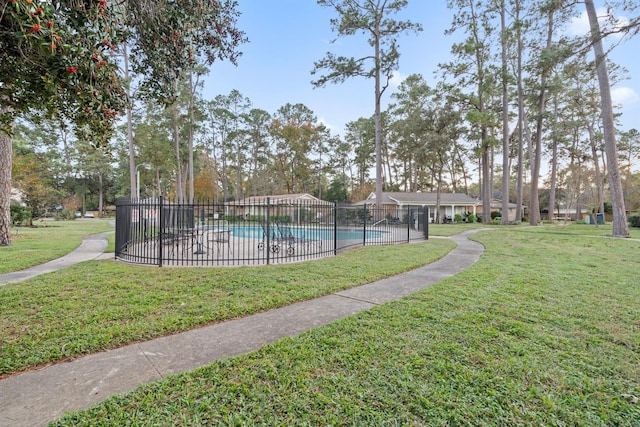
(262, 231)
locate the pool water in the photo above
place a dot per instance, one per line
(256, 232)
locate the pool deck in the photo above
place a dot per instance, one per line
(197, 250)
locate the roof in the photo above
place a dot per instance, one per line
(402, 198)
(281, 199)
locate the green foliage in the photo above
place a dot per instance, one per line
(495, 214)
(54, 57)
(66, 215)
(171, 38)
(634, 220)
(20, 215)
(337, 191)
(471, 218)
(457, 218)
(374, 19)
(608, 208)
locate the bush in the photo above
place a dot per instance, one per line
(471, 218)
(496, 214)
(634, 220)
(457, 218)
(20, 215)
(66, 214)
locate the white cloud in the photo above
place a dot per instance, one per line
(397, 79)
(624, 96)
(579, 26)
(327, 124)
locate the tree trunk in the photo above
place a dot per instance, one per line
(620, 226)
(554, 162)
(596, 165)
(5, 190)
(101, 193)
(554, 179)
(192, 95)
(378, 126)
(520, 179)
(132, 154)
(506, 170)
(534, 202)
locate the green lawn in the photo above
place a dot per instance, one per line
(99, 305)
(46, 241)
(543, 330)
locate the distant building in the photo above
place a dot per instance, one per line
(16, 196)
(496, 206)
(396, 203)
(291, 205)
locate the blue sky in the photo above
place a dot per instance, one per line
(287, 36)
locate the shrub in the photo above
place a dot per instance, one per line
(496, 214)
(457, 218)
(634, 220)
(471, 218)
(20, 215)
(66, 214)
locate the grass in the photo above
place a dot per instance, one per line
(543, 330)
(46, 241)
(100, 305)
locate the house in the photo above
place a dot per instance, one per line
(298, 207)
(16, 196)
(396, 204)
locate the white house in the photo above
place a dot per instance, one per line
(450, 203)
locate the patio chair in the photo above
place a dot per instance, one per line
(218, 240)
(273, 240)
(291, 239)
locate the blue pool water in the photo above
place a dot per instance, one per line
(256, 232)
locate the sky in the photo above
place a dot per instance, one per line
(286, 37)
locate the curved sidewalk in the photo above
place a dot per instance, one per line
(38, 397)
(92, 247)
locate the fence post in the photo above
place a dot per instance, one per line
(335, 228)
(426, 223)
(364, 226)
(160, 232)
(267, 247)
(408, 223)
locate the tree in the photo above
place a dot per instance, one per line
(53, 58)
(360, 135)
(620, 226)
(473, 70)
(295, 132)
(505, 114)
(257, 137)
(374, 19)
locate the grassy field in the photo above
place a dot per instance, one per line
(543, 330)
(46, 241)
(100, 305)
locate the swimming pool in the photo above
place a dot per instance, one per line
(315, 233)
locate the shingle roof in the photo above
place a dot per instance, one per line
(280, 199)
(399, 197)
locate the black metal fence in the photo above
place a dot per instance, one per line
(261, 231)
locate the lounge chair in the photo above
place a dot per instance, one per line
(286, 235)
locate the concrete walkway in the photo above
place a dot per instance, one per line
(38, 397)
(92, 247)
